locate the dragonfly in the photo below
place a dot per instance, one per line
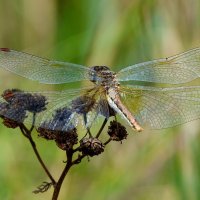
(155, 94)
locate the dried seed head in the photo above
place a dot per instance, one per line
(45, 131)
(9, 94)
(14, 117)
(116, 131)
(83, 104)
(13, 111)
(35, 103)
(66, 140)
(3, 109)
(9, 123)
(10, 111)
(91, 146)
(15, 98)
(60, 129)
(31, 102)
(59, 123)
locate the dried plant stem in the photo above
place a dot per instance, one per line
(41, 161)
(27, 134)
(68, 165)
(63, 174)
(69, 154)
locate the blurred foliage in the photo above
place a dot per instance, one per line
(117, 33)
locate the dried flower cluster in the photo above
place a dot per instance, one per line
(18, 105)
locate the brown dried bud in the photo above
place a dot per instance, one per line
(9, 94)
(45, 132)
(35, 103)
(60, 129)
(3, 109)
(60, 123)
(11, 114)
(9, 123)
(13, 111)
(13, 117)
(91, 146)
(66, 140)
(31, 102)
(116, 131)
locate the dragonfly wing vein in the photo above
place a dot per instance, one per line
(177, 69)
(40, 69)
(162, 107)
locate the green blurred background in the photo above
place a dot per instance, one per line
(150, 165)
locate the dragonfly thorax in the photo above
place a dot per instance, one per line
(102, 75)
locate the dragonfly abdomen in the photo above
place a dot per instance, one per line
(115, 102)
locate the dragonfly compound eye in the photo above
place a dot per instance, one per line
(97, 74)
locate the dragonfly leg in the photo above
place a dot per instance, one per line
(102, 127)
(88, 132)
(85, 122)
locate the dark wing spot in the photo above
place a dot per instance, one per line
(5, 49)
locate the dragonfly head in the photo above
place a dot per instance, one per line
(101, 75)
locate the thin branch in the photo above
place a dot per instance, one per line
(78, 160)
(27, 134)
(63, 174)
(76, 149)
(23, 132)
(33, 123)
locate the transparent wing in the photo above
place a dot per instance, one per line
(59, 110)
(177, 69)
(162, 107)
(101, 108)
(40, 69)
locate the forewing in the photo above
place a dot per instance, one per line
(162, 107)
(40, 69)
(177, 69)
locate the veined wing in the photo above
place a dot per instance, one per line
(162, 107)
(177, 69)
(53, 110)
(40, 69)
